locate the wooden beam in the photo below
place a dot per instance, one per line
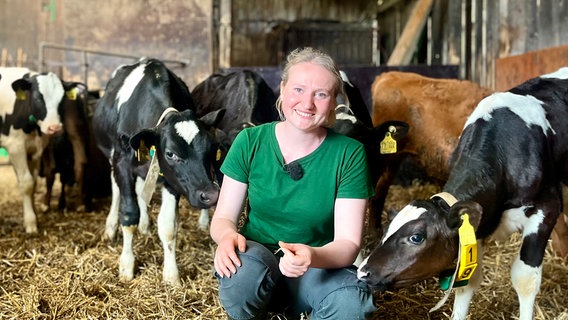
(384, 5)
(406, 45)
(225, 33)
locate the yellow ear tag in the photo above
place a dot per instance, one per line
(143, 153)
(388, 145)
(468, 250)
(218, 156)
(71, 94)
(20, 94)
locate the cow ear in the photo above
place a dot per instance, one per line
(397, 129)
(67, 85)
(213, 118)
(473, 209)
(21, 84)
(391, 213)
(148, 136)
(70, 85)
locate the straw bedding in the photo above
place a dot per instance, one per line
(69, 271)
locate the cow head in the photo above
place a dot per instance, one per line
(38, 97)
(186, 148)
(371, 137)
(421, 242)
(347, 123)
(73, 106)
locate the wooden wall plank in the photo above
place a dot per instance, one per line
(453, 33)
(406, 45)
(511, 71)
(545, 15)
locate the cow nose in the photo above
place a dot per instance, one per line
(209, 197)
(54, 128)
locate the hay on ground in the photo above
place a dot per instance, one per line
(69, 271)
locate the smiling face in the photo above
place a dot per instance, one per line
(308, 97)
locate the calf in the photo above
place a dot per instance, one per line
(354, 100)
(506, 174)
(28, 114)
(66, 152)
(424, 104)
(349, 124)
(97, 183)
(245, 95)
(147, 112)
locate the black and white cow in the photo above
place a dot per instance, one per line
(353, 122)
(147, 112)
(66, 152)
(28, 114)
(247, 98)
(355, 101)
(506, 174)
(349, 124)
(248, 101)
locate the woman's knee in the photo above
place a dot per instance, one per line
(245, 294)
(351, 302)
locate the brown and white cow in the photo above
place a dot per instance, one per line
(147, 112)
(435, 111)
(29, 105)
(506, 173)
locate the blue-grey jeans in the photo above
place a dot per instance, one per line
(258, 287)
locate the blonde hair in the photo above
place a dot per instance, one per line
(309, 54)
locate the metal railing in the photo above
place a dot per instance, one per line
(85, 59)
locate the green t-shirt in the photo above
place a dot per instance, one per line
(298, 211)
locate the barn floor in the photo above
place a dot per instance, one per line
(68, 271)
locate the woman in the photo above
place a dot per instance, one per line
(308, 189)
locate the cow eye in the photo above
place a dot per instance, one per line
(416, 239)
(170, 156)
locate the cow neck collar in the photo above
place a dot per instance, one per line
(450, 201)
(448, 275)
(447, 197)
(154, 169)
(168, 110)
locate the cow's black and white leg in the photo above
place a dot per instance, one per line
(167, 230)
(129, 216)
(463, 295)
(526, 281)
(111, 226)
(144, 224)
(203, 221)
(526, 271)
(49, 181)
(26, 183)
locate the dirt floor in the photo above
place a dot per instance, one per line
(69, 271)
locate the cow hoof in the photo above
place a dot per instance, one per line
(145, 229)
(43, 208)
(110, 235)
(31, 229)
(110, 232)
(126, 277)
(126, 268)
(172, 280)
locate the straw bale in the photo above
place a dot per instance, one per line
(69, 271)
